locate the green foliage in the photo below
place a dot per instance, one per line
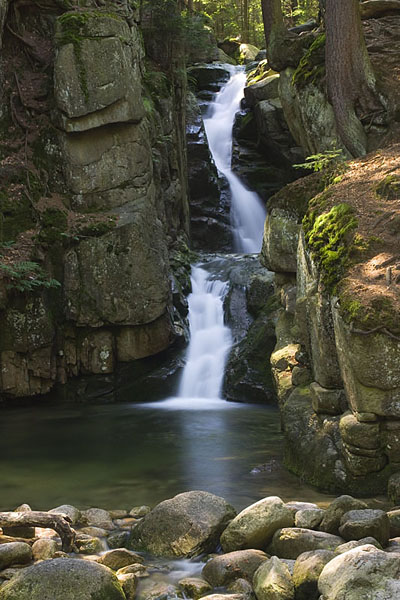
(328, 238)
(300, 11)
(53, 224)
(331, 163)
(27, 276)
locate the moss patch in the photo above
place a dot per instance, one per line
(329, 236)
(389, 187)
(311, 67)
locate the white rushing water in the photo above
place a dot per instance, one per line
(210, 339)
(247, 210)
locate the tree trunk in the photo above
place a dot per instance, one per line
(350, 79)
(245, 33)
(274, 30)
(46, 520)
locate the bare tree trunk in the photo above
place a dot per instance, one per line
(245, 34)
(46, 520)
(274, 30)
(350, 79)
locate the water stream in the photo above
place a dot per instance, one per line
(247, 210)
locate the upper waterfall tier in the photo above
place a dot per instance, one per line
(247, 210)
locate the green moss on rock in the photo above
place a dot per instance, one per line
(389, 188)
(329, 236)
(311, 67)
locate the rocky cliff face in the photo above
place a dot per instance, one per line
(93, 195)
(334, 246)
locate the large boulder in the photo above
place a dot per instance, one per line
(291, 542)
(186, 525)
(272, 581)
(364, 572)
(242, 564)
(63, 579)
(256, 524)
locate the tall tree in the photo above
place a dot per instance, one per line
(350, 78)
(275, 31)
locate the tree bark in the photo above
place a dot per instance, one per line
(350, 79)
(275, 32)
(46, 520)
(245, 34)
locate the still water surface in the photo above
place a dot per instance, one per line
(115, 456)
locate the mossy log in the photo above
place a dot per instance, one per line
(371, 9)
(60, 524)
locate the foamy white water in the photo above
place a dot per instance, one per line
(247, 209)
(210, 339)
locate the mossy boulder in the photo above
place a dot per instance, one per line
(63, 579)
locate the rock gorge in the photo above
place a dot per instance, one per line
(94, 192)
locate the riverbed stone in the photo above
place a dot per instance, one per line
(86, 544)
(224, 569)
(357, 524)
(272, 581)
(14, 553)
(356, 544)
(364, 572)
(63, 579)
(186, 525)
(119, 558)
(393, 489)
(137, 569)
(394, 522)
(44, 548)
(338, 507)
(70, 511)
(243, 587)
(309, 518)
(194, 587)
(256, 524)
(139, 511)
(118, 540)
(158, 591)
(129, 585)
(307, 570)
(97, 517)
(94, 531)
(290, 542)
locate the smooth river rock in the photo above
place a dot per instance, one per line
(364, 573)
(290, 542)
(256, 524)
(272, 581)
(186, 525)
(63, 579)
(242, 564)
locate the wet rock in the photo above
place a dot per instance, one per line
(87, 544)
(209, 76)
(256, 524)
(335, 511)
(63, 579)
(72, 513)
(158, 591)
(241, 586)
(44, 549)
(272, 581)
(309, 518)
(295, 506)
(358, 524)
(137, 569)
(119, 558)
(291, 542)
(307, 570)
(222, 570)
(14, 553)
(118, 514)
(129, 585)
(193, 587)
(364, 571)
(186, 525)
(118, 540)
(94, 531)
(265, 89)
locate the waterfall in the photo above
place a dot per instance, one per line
(247, 210)
(210, 339)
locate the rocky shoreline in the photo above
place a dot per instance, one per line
(271, 550)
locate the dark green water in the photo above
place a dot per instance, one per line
(119, 456)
